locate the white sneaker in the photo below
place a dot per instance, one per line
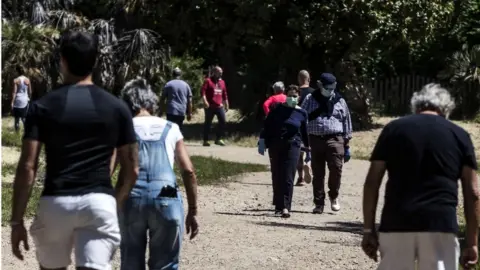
(335, 205)
(307, 170)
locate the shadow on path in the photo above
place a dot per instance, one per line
(348, 227)
(292, 211)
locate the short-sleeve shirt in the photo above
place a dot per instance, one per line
(80, 126)
(178, 93)
(151, 128)
(424, 155)
(304, 91)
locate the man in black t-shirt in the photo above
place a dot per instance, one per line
(305, 90)
(425, 154)
(82, 128)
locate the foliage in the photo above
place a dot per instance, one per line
(209, 170)
(258, 42)
(463, 75)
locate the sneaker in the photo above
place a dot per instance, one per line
(278, 212)
(318, 209)
(285, 213)
(307, 170)
(335, 205)
(205, 143)
(220, 142)
(300, 183)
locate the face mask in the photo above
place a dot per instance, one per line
(292, 101)
(327, 92)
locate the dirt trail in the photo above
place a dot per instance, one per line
(239, 231)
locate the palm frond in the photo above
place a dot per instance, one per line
(105, 31)
(39, 13)
(64, 19)
(136, 44)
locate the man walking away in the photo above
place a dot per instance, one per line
(215, 99)
(277, 98)
(329, 130)
(305, 89)
(22, 92)
(425, 155)
(82, 127)
(178, 96)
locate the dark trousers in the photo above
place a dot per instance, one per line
(330, 150)
(19, 114)
(177, 119)
(283, 163)
(209, 114)
(300, 166)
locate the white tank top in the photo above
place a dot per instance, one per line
(21, 98)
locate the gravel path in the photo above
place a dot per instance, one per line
(238, 229)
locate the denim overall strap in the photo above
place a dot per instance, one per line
(165, 132)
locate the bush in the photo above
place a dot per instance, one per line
(210, 171)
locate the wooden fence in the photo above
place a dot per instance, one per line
(392, 95)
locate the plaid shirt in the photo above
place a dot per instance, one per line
(339, 123)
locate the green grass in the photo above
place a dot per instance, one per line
(10, 137)
(210, 171)
(8, 169)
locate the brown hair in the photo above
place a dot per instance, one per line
(293, 87)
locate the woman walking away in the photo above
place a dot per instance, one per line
(284, 131)
(22, 91)
(155, 203)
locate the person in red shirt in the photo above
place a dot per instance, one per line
(278, 97)
(215, 99)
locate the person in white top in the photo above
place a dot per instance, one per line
(155, 203)
(22, 91)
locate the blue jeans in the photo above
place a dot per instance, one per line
(163, 219)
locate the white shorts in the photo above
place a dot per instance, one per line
(87, 223)
(428, 251)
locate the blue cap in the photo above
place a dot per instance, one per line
(327, 79)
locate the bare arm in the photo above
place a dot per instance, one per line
(370, 193)
(29, 85)
(471, 205)
(14, 92)
(25, 178)
(128, 159)
(188, 176)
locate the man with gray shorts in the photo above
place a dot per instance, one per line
(82, 127)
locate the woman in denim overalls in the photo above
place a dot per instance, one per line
(155, 203)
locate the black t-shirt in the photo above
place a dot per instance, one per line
(80, 126)
(304, 91)
(424, 155)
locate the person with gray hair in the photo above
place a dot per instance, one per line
(425, 154)
(177, 94)
(155, 202)
(277, 98)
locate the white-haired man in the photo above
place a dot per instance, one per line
(425, 155)
(277, 97)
